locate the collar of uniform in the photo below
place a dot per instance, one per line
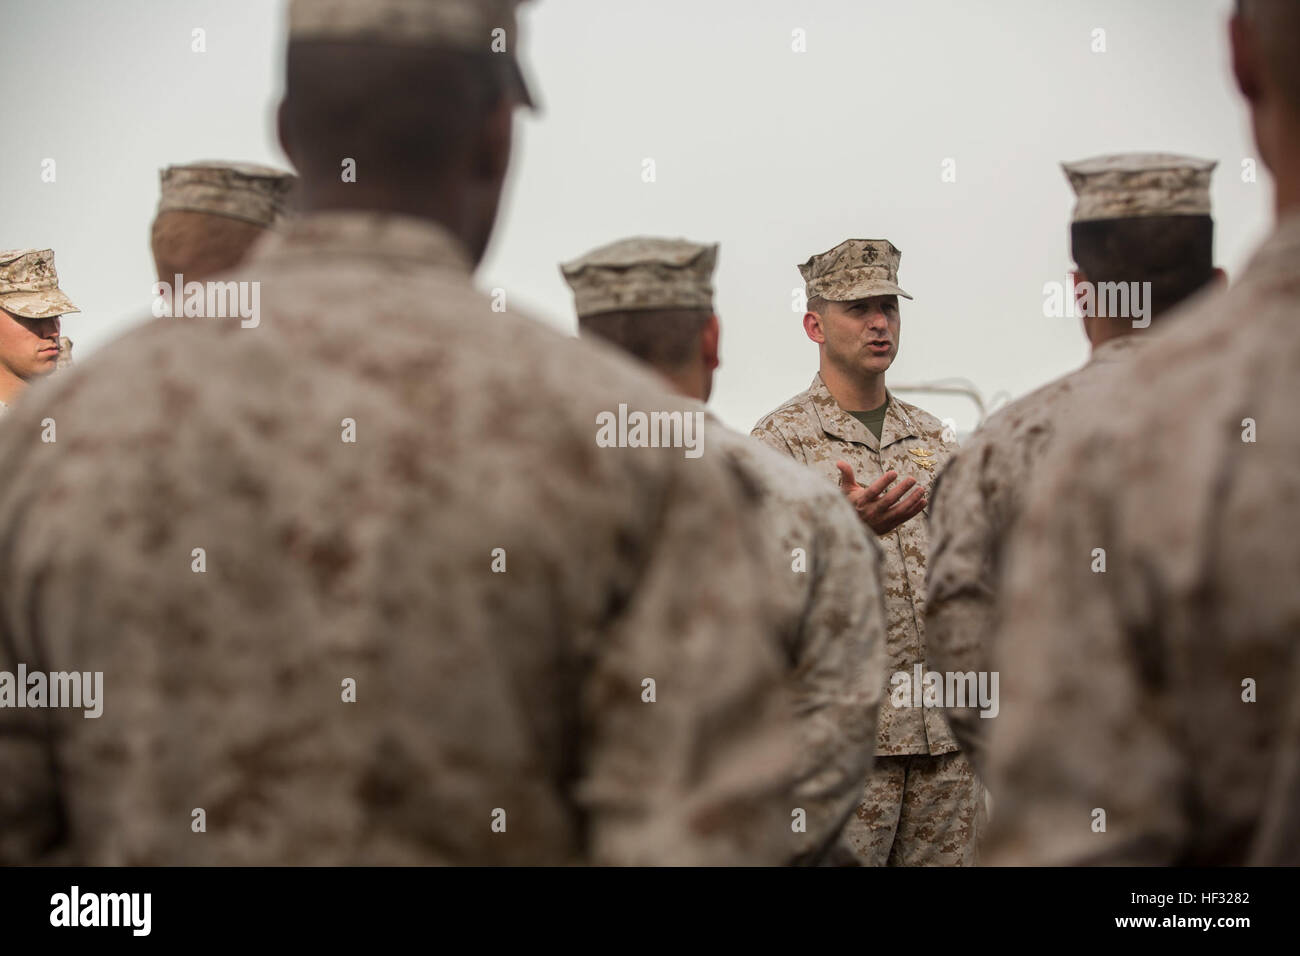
(835, 421)
(1279, 253)
(1117, 348)
(361, 234)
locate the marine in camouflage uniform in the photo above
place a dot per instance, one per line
(432, 620)
(1150, 212)
(211, 214)
(922, 804)
(1165, 692)
(653, 298)
(31, 309)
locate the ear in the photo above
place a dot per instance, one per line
(282, 134)
(495, 140)
(1245, 58)
(1218, 279)
(812, 327)
(1077, 279)
(709, 343)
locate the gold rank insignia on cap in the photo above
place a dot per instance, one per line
(643, 273)
(1139, 185)
(246, 191)
(29, 285)
(855, 269)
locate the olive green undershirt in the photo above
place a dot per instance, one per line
(874, 418)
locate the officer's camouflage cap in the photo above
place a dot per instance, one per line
(1137, 185)
(457, 24)
(256, 194)
(29, 286)
(643, 273)
(855, 269)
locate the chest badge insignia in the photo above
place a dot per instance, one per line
(922, 457)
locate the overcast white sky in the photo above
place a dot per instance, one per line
(774, 153)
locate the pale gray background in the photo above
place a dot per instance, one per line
(775, 154)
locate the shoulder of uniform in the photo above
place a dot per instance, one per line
(1028, 411)
(783, 478)
(922, 420)
(804, 496)
(794, 411)
(915, 412)
(777, 471)
(797, 480)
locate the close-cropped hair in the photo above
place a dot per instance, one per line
(200, 244)
(1174, 253)
(392, 108)
(665, 338)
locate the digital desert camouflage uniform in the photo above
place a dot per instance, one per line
(1127, 691)
(498, 717)
(982, 490)
(256, 194)
(372, 560)
(922, 804)
(642, 273)
(830, 608)
(825, 569)
(976, 499)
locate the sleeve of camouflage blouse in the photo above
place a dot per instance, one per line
(961, 589)
(1086, 726)
(839, 678)
(700, 774)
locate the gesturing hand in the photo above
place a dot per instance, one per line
(880, 507)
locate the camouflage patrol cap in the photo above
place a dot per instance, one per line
(643, 273)
(1137, 185)
(471, 25)
(256, 194)
(29, 286)
(855, 269)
